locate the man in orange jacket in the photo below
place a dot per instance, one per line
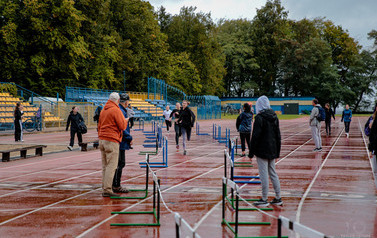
(111, 124)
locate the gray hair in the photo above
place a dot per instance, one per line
(114, 97)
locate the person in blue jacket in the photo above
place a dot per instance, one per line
(244, 124)
(347, 118)
(124, 145)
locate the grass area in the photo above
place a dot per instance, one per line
(281, 117)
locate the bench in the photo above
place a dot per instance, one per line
(84, 145)
(23, 151)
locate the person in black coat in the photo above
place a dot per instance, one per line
(373, 146)
(265, 145)
(186, 121)
(175, 116)
(244, 123)
(329, 113)
(18, 114)
(74, 119)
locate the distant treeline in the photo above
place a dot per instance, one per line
(46, 45)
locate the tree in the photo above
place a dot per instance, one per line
(235, 38)
(40, 44)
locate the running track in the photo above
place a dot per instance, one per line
(58, 195)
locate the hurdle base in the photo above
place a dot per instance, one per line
(248, 182)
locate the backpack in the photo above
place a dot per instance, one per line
(82, 128)
(321, 114)
(97, 113)
(366, 127)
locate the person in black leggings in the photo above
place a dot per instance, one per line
(329, 114)
(74, 120)
(175, 116)
(186, 121)
(244, 124)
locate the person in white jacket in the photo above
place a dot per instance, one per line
(315, 126)
(167, 118)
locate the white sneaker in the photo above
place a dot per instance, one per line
(70, 147)
(348, 135)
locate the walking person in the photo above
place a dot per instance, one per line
(347, 118)
(244, 125)
(74, 119)
(97, 113)
(329, 113)
(18, 115)
(131, 114)
(125, 144)
(167, 118)
(315, 125)
(265, 145)
(111, 125)
(186, 121)
(175, 116)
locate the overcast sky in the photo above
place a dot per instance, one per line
(358, 17)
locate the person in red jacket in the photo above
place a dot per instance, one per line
(111, 125)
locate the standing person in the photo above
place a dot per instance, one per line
(131, 114)
(125, 144)
(186, 121)
(315, 126)
(175, 116)
(74, 119)
(18, 114)
(373, 146)
(347, 118)
(167, 118)
(329, 113)
(110, 128)
(265, 145)
(244, 124)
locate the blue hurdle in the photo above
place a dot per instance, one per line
(236, 177)
(164, 163)
(198, 130)
(141, 125)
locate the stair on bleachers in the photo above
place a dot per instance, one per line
(146, 108)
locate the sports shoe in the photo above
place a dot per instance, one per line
(320, 149)
(348, 135)
(243, 155)
(261, 203)
(277, 202)
(316, 150)
(177, 146)
(184, 152)
(70, 147)
(120, 190)
(110, 195)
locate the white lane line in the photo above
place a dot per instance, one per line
(298, 214)
(367, 150)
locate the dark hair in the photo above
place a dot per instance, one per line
(315, 101)
(73, 108)
(246, 107)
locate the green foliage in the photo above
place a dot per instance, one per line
(9, 88)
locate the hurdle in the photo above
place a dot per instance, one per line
(141, 125)
(151, 139)
(182, 225)
(164, 163)
(156, 205)
(235, 177)
(229, 161)
(225, 183)
(226, 138)
(298, 228)
(153, 131)
(146, 184)
(198, 130)
(238, 163)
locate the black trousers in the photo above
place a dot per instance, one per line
(79, 137)
(131, 120)
(168, 124)
(17, 130)
(119, 170)
(177, 130)
(347, 126)
(328, 127)
(245, 137)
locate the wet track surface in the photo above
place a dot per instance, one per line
(58, 195)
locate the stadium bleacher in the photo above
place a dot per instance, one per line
(7, 105)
